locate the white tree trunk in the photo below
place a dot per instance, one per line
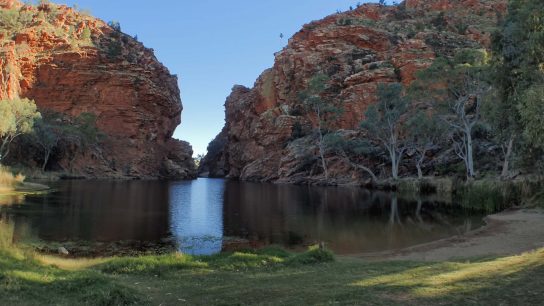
(321, 145)
(507, 156)
(394, 167)
(470, 156)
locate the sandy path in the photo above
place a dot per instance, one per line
(507, 233)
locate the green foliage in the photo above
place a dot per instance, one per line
(18, 117)
(150, 264)
(218, 280)
(48, 132)
(429, 86)
(383, 118)
(58, 133)
(471, 57)
(518, 65)
(425, 131)
(455, 90)
(314, 255)
(532, 115)
(14, 20)
(440, 21)
(383, 122)
(86, 34)
(314, 99)
(461, 28)
(85, 129)
(265, 258)
(115, 48)
(115, 25)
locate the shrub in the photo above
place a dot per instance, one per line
(115, 25)
(314, 255)
(8, 181)
(18, 117)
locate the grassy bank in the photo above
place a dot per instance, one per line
(270, 276)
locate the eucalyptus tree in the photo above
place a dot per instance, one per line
(462, 112)
(518, 113)
(455, 90)
(384, 122)
(425, 132)
(18, 117)
(48, 132)
(315, 101)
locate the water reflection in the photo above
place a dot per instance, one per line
(210, 215)
(349, 220)
(196, 210)
(11, 199)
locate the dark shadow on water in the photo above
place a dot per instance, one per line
(209, 215)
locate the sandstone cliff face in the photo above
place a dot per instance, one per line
(72, 63)
(266, 125)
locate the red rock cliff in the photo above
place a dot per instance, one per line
(72, 63)
(358, 49)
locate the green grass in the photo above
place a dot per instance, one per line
(268, 277)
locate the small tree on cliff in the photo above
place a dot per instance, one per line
(323, 110)
(17, 118)
(383, 122)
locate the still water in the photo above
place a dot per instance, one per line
(208, 216)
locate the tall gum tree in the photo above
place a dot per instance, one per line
(384, 122)
(518, 112)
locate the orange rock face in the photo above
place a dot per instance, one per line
(358, 50)
(84, 66)
(9, 4)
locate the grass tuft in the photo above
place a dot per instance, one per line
(314, 255)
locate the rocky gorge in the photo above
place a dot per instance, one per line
(268, 133)
(71, 63)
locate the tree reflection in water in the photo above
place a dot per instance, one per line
(207, 215)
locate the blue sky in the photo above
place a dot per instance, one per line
(211, 45)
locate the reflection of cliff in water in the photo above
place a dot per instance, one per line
(98, 211)
(208, 215)
(347, 219)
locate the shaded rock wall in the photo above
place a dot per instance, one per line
(72, 63)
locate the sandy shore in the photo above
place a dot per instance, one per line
(508, 233)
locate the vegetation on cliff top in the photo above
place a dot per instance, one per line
(44, 18)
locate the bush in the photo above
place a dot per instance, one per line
(115, 25)
(8, 181)
(314, 255)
